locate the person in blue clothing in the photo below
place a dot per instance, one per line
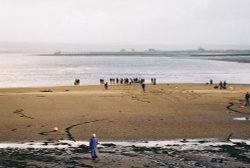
(93, 142)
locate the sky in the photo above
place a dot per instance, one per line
(127, 23)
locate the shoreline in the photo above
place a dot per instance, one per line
(163, 112)
(188, 153)
(98, 84)
(141, 143)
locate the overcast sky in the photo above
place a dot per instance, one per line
(127, 22)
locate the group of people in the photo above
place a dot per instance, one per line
(222, 85)
(153, 81)
(77, 82)
(127, 81)
(143, 85)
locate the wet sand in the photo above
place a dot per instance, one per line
(123, 113)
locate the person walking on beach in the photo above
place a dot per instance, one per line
(247, 99)
(93, 142)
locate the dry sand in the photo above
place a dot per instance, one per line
(164, 111)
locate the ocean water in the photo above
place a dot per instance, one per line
(20, 70)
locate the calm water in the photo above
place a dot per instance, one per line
(22, 70)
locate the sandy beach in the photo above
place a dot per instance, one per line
(164, 111)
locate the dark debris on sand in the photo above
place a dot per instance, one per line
(114, 156)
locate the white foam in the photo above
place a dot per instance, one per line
(240, 141)
(188, 144)
(45, 145)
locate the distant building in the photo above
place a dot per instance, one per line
(132, 50)
(123, 50)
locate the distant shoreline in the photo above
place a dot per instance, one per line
(151, 53)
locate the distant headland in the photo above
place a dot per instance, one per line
(153, 52)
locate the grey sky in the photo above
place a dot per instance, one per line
(130, 22)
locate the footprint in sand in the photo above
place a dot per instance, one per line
(142, 99)
(21, 113)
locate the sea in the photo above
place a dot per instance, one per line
(23, 70)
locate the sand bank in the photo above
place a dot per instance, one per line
(164, 111)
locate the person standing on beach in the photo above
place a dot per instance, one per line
(93, 142)
(106, 86)
(221, 85)
(211, 81)
(143, 85)
(247, 99)
(224, 85)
